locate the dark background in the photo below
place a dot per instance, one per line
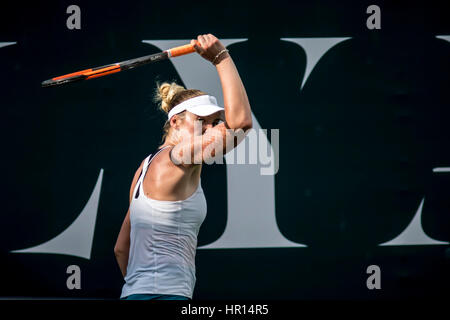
(357, 144)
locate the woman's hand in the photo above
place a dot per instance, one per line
(210, 48)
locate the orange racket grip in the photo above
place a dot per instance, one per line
(181, 50)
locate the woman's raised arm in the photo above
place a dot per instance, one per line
(238, 115)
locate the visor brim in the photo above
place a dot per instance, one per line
(205, 110)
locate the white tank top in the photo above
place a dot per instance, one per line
(163, 242)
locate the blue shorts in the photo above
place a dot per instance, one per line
(145, 296)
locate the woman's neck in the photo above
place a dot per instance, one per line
(166, 143)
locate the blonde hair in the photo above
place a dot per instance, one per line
(168, 95)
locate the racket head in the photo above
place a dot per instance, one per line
(117, 67)
(82, 75)
(53, 82)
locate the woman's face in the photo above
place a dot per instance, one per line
(194, 124)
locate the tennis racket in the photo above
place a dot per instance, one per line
(117, 67)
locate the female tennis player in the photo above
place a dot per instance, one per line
(157, 242)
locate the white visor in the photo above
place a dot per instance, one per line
(204, 105)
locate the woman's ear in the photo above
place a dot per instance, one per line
(174, 122)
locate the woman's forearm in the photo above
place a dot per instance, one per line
(237, 107)
(122, 260)
(122, 246)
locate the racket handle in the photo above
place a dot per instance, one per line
(181, 50)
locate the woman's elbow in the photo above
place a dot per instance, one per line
(118, 251)
(246, 124)
(243, 123)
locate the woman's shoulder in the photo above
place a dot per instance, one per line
(162, 165)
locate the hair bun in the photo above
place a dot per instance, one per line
(165, 93)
